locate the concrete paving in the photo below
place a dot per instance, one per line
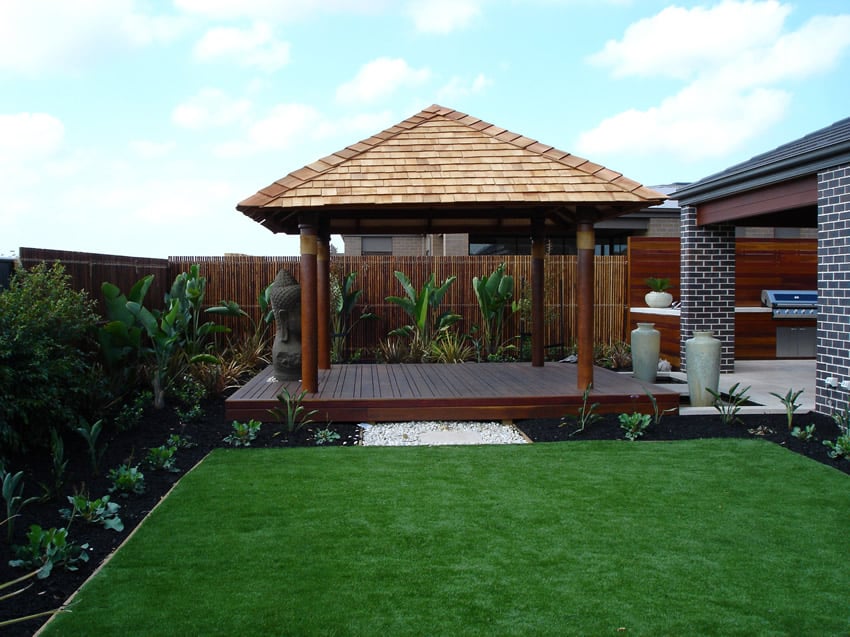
(764, 377)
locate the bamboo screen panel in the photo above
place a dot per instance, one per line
(242, 278)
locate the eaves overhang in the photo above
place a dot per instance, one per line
(732, 182)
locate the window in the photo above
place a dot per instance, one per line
(376, 246)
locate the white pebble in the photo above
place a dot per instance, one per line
(395, 434)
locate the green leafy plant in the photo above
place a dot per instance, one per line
(292, 410)
(48, 370)
(789, 400)
(731, 407)
(806, 434)
(162, 458)
(48, 548)
(418, 304)
(840, 448)
(586, 415)
(657, 414)
(120, 337)
(451, 347)
(100, 511)
(180, 442)
(243, 433)
(326, 436)
(13, 496)
(126, 480)
(634, 424)
(494, 294)
(657, 284)
(59, 465)
(131, 413)
(189, 392)
(344, 299)
(90, 433)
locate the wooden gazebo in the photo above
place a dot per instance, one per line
(443, 171)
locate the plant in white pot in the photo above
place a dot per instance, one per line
(658, 297)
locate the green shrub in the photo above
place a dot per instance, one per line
(48, 548)
(47, 370)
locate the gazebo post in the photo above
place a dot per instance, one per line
(309, 318)
(585, 243)
(323, 288)
(538, 275)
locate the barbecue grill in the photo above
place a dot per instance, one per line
(791, 303)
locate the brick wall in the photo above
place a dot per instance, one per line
(708, 285)
(833, 341)
(409, 245)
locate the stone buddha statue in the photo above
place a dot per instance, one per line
(285, 297)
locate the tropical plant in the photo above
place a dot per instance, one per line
(48, 548)
(162, 458)
(657, 284)
(343, 301)
(657, 414)
(47, 357)
(100, 511)
(634, 424)
(806, 435)
(789, 400)
(392, 350)
(326, 436)
(90, 433)
(494, 294)
(451, 347)
(586, 415)
(243, 433)
(731, 407)
(126, 480)
(13, 496)
(292, 410)
(121, 336)
(418, 304)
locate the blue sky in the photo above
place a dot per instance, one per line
(134, 127)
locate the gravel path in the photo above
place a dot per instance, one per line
(397, 434)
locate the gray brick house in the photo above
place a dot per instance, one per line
(805, 183)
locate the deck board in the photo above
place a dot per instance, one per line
(471, 391)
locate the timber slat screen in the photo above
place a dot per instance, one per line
(242, 278)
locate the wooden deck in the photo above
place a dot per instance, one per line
(487, 391)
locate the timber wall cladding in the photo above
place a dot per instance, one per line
(242, 278)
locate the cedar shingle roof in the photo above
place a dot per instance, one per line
(443, 170)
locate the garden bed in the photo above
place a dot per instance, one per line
(209, 432)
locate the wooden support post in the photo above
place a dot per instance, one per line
(309, 318)
(323, 272)
(538, 275)
(585, 242)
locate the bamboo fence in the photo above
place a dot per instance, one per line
(242, 279)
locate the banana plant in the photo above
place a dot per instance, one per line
(121, 337)
(494, 294)
(343, 301)
(232, 308)
(418, 305)
(187, 294)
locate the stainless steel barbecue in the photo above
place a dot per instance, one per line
(791, 303)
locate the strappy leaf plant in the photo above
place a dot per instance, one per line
(418, 305)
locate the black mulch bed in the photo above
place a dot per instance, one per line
(212, 428)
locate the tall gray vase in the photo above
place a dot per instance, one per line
(646, 348)
(702, 355)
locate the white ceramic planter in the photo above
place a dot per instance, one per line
(646, 347)
(659, 299)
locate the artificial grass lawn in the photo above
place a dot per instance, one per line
(708, 537)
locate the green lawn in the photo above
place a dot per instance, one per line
(713, 537)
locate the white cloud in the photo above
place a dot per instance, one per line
(680, 42)
(737, 64)
(278, 10)
(147, 149)
(256, 47)
(29, 136)
(379, 79)
(39, 36)
(284, 125)
(458, 87)
(443, 16)
(209, 108)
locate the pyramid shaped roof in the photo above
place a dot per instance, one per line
(445, 171)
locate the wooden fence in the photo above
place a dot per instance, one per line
(242, 279)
